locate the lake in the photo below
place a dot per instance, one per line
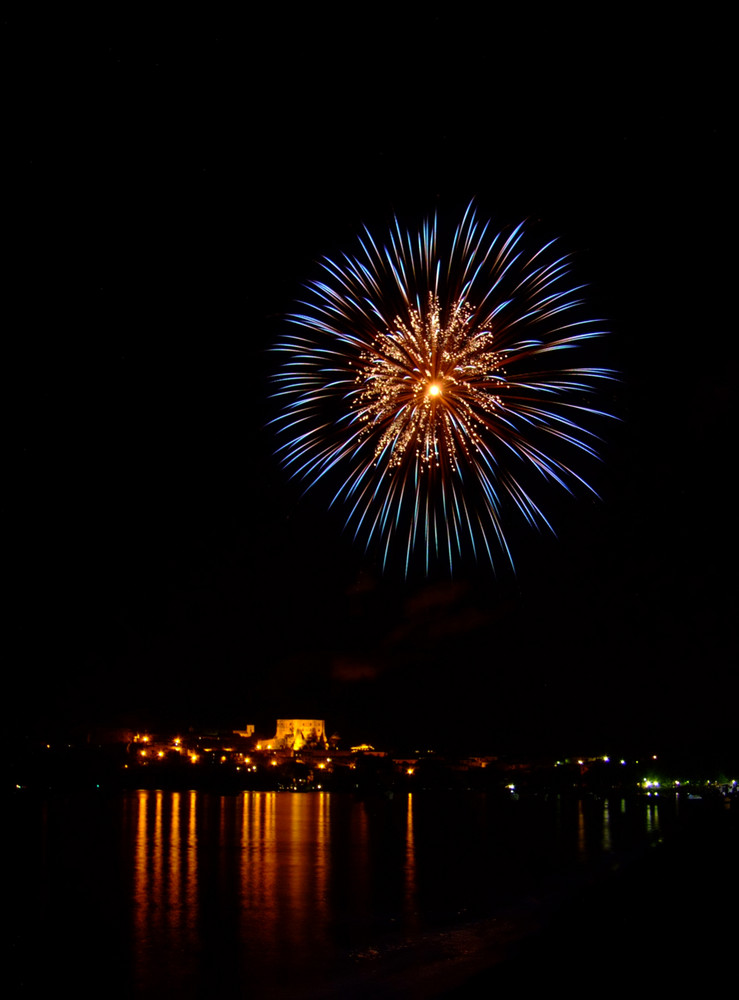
(192, 894)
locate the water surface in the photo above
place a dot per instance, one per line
(162, 893)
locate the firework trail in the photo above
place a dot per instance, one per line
(424, 384)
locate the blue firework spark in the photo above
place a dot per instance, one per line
(425, 384)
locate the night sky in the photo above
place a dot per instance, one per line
(168, 186)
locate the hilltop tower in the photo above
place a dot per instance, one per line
(294, 734)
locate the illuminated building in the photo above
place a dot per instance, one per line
(294, 734)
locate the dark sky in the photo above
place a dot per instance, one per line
(169, 185)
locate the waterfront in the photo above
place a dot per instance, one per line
(166, 893)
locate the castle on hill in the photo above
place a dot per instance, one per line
(294, 734)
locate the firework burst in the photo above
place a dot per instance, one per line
(425, 384)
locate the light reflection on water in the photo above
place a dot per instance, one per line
(581, 836)
(276, 889)
(652, 815)
(409, 908)
(606, 842)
